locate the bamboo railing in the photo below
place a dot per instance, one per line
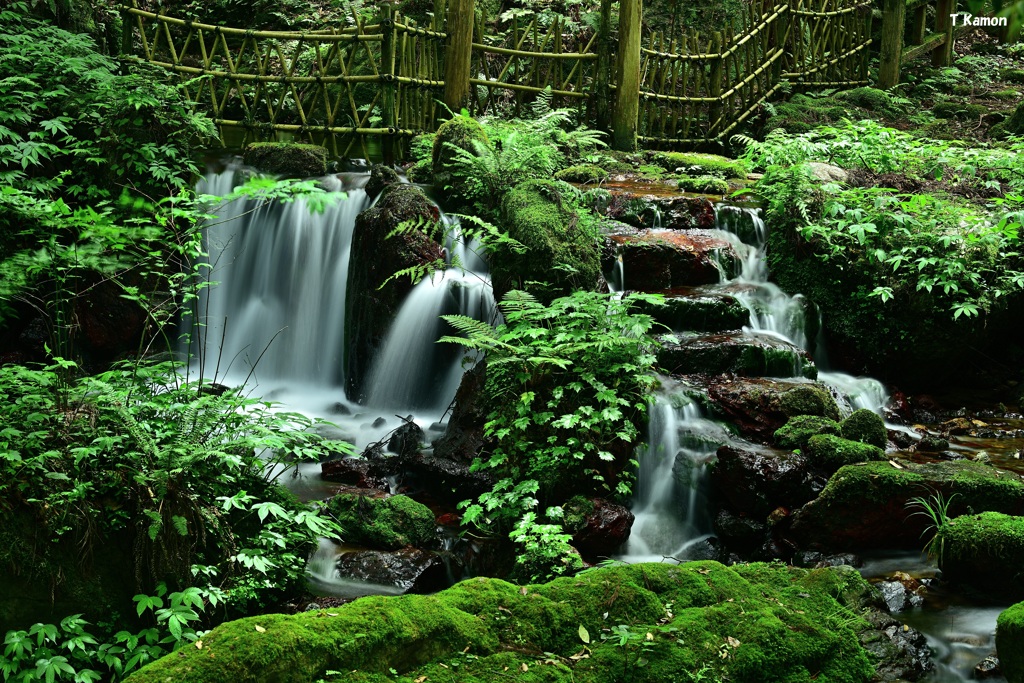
(385, 78)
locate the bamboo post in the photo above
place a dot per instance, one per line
(715, 85)
(126, 32)
(603, 94)
(458, 54)
(918, 26)
(943, 54)
(627, 93)
(387, 66)
(894, 13)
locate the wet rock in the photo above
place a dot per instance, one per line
(799, 429)
(406, 440)
(411, 569)
(740, 532)
(932, 444)
(987, 668)
(655, 261)
(1010, 642)
(672, 211)
(289, 159)
(754, 481)
(462, 440)
(897, 597)
(901, 653)
(109, 325)
(828, 452)
(356, 472)
(371, 305)
(816, 560)
(900, 439)
(339, 408)
(379, 422)
(865, 505)
(699, 313)
(759, 407)
(380, 178)
(448, 481)
(984, 551)
(738, 354)
(864, 426)
(603, 530)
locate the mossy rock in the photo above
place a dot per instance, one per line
(745, 356)
(461, 132)
(584, 173)
(1008, 94)
(388, 522)
(1010, 642)
(830, 452)
(288, 159)
(704, 184)
(746, 624)
(865, 426)
(866, 505)
(1015, 124)
(699, 313)
(984, 551)
(694, 164)
(809, 400)
(758, 407)
(1013, 75)
(871, 99)
(959, 110)
(421, 172)
(560, 256)
(800, 428)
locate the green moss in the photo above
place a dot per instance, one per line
(830, 452)
(800, 428)
(1015, 124)
(392, 522)
(559, 253)
(747, 623)
(1010, 642)
(287, 158)
(705, 184)
(699, 164)
(461, 132)
(575, 512)
(865, 426)
(985, 551)
(584, 173)
(871, 99)
(421, 172)
(699, 313)
(1008, 94)
(1013, 75)
(802, 113)
(959, 110)
(809, 400)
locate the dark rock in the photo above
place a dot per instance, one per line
(109, 325)
(739, 532)
(812, 558)
(379, 422)
(371, 305)
(464, 436)
(406, 440)
(339, 408)
(288, 159)
(932, 444)
(897, 597)
(759, 407)
(901, 439)
(411, 569)
(987, 668)
(699, 313)
(380, 178)
(901, 653)
(675, 211)
(865, 506)
(448, 481)
(656, 261)
(604, 529)
(738, 354)
(357, 472)
(378, 520)
(756, 481)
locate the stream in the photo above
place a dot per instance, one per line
(275, 323)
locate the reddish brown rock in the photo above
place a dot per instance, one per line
(759, 406)
(604, 530)
(757, 481)
(659, 260)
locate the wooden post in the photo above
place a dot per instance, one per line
(918, 27)
(943, 54)
(387, 65)
(627, 92)
(458, 54)
(126, 32)
(894, 14)
(603, 94)
(715, 85)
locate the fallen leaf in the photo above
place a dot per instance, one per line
(420, 679)
(584, 634)
(199, 645)
(522, 591)
(466, 650)
(443, 666)
(733, 643)
(524, 667)
(332, 614)
(649, 636)
(896, 464)
(260, 629)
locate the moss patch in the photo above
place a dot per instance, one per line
(389, 522)
(746, 623)
(830, 452)
(584, 173)
(985, 551)
(809, 400)
(287, 159)
(699, 164)
(460, 132)
(800, 428)
(1010, 642)
(866, 427)
(705, 184)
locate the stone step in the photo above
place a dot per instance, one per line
(735, 353)
(656, 260)
(699, 311)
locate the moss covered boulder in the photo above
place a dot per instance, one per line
(799, 429)
(737, 354)
(705, 184)
(459, 132)
(866, 427)
(699, 313)
(866, 505)
(288, 159)
(378, 520)
(694, 164)
(830, 452)
(985, 551)
(370, 305)
(744, 624)
(560, 255)
(759, 406)
(582, 174)
(1010, 643)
